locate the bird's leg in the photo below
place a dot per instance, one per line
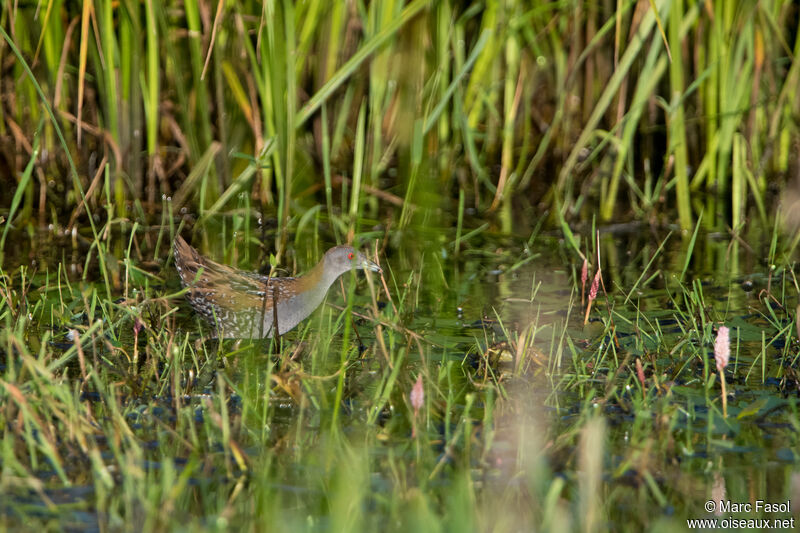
(264, 309)
(275, 331)
(276, 336)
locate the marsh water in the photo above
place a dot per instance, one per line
(512, 369)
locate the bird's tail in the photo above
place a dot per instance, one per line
(187, 260)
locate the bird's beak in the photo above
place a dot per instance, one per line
(366, 264)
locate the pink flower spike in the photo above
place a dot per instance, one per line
(640, 371)
(584, 272)
(584, 275)
(722, 348)
(417, 395)
(595, 286)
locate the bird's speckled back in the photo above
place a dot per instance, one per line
(241, 304)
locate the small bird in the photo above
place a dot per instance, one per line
(241, 304)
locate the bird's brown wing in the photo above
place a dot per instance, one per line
(235, 300)
(226, 285)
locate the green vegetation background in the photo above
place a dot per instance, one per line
(617, 110)
(121, 120)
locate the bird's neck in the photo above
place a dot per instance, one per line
(316, 282)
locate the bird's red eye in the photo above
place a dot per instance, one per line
(350, 255)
